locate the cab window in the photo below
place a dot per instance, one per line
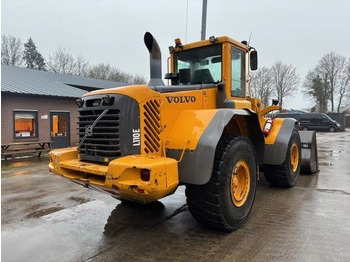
(204, 64)
(237, 72)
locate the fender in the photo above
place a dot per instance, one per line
(275, 153)
(204, 133)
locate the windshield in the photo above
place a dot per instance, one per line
(204, 64)
(330, 119)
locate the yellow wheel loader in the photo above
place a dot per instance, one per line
(203, 130)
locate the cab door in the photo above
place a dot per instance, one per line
(60, 129)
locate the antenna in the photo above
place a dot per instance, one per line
(250, 35)
(186, 22)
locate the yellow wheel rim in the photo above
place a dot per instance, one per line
(240, 183)
(294, 157)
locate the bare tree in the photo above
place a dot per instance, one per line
(61, 62)
(100, 71)
(81, 66)
(139, 80)
(285, 80)
(11, 50)
(332, 73)
(344, 85)
(330, 67)
(107, 72)
(120, 76)
(262, 85)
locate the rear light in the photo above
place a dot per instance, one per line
(145, 174)
(141, 191)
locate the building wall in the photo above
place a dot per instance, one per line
(44, 105)
(347, 120)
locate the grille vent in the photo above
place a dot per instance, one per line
(104, 143)
(152, 126)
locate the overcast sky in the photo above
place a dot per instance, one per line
(297, 32)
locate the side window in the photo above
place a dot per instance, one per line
(237, 72)
(25, 124)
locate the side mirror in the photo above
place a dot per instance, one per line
(254, 60)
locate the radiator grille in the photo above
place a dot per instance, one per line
(152, 126)
(103, 145)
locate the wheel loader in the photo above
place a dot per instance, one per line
(202, 130)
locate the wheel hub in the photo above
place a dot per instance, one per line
(240, 183)
(294, 157)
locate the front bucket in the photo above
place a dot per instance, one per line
(309, 157)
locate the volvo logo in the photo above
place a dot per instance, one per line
(88, 130)
(180, 99)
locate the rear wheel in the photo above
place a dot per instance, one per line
(286, 175)
(226, 200)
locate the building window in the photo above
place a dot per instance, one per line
(26, 124)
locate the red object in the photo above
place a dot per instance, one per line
(267, 127)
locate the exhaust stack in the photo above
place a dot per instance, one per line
(155, 60)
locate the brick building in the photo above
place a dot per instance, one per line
(40, 106)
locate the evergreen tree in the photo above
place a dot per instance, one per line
(32, 57)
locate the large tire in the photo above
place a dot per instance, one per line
(286, 175)
(227, 199)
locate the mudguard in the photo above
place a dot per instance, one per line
(196, 164)
(275, 153)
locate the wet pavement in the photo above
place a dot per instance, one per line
(47, 218)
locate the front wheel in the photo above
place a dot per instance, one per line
(227, 199)
(332, 129)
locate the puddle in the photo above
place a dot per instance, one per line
(79, 200)
(44, 212)
(129, 215)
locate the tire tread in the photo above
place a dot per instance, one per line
(203, 200)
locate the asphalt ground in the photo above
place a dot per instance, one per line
(47, 218)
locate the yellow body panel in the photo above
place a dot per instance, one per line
(122, 177)
(275, 129)
(219, 39)
(183, 100)
(241, 103)
(87, 167)
(139, 92)
(188, 128)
